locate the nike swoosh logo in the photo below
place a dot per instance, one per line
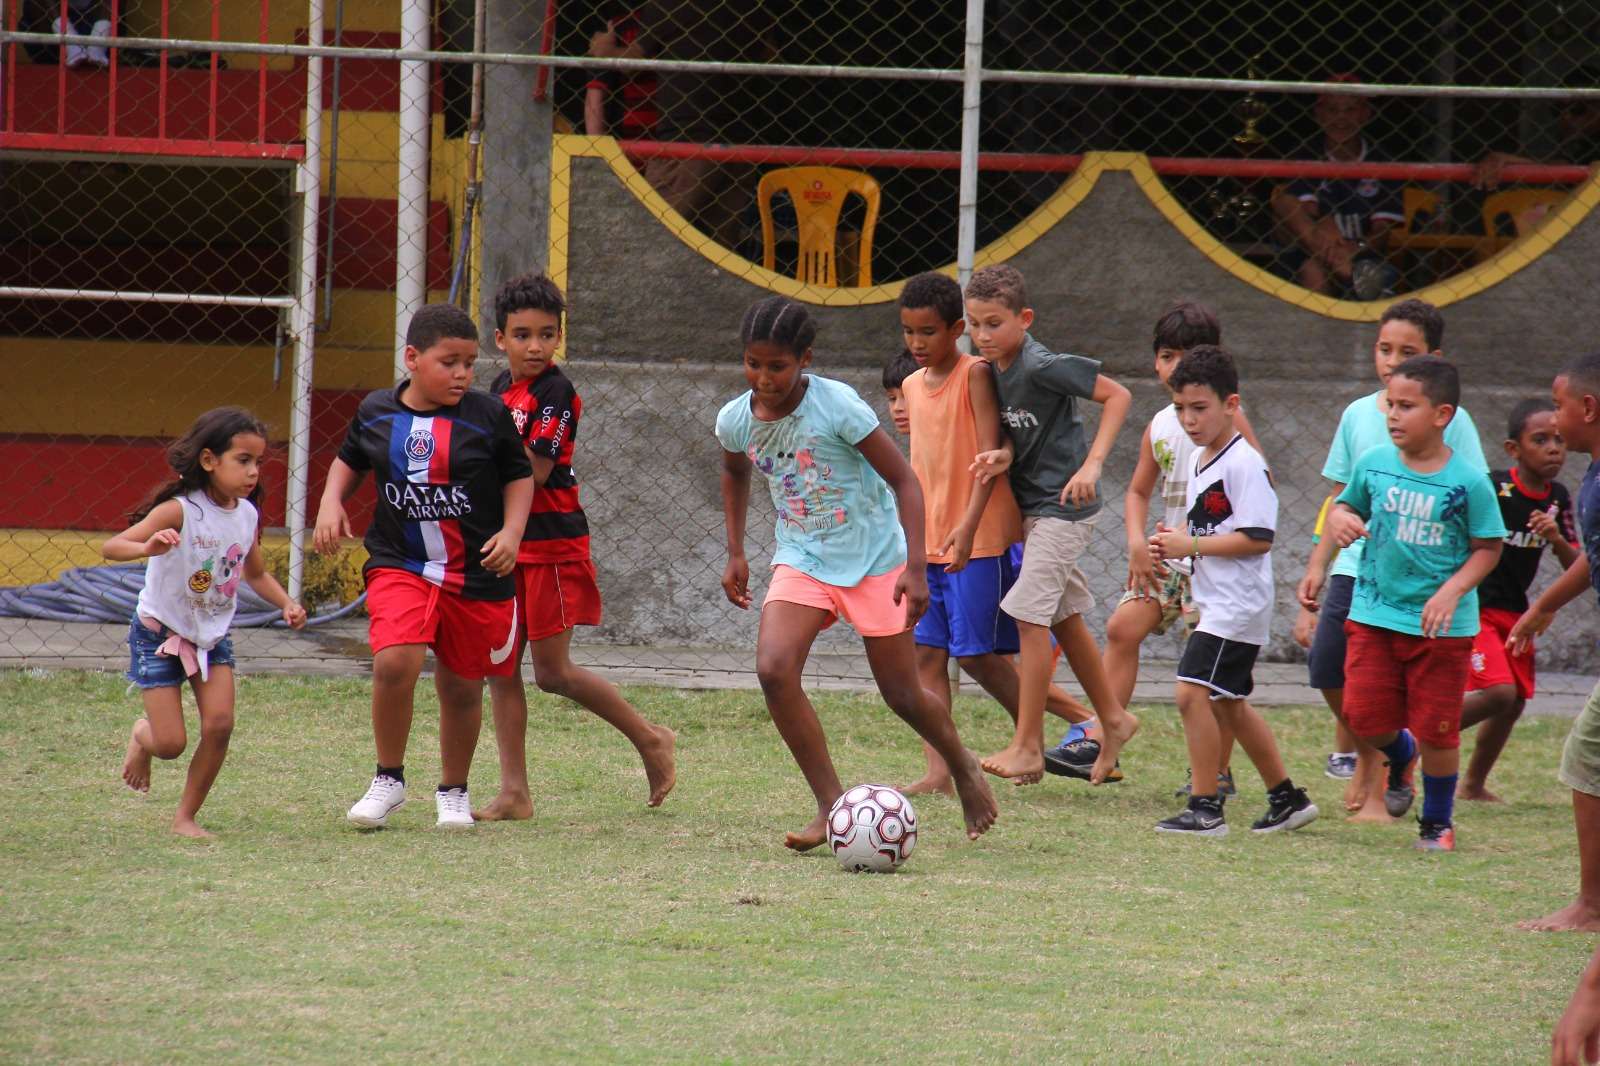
(502, 653)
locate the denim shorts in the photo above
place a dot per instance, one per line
(1325, 662)
(147, 668)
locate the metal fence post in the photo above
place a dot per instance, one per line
(411, 224)
(971, 100)
(308, 179)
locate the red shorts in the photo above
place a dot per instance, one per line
(473, 638)
(1395, 681)
(557, 596)
(1491, 663)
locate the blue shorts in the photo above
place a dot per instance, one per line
(148, 668)
(964, 615)
(1325, 660)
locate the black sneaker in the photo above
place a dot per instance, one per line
(1286, 812)
(1400, 791)
(1201, 818)
(1076, 759)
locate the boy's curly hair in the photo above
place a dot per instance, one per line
(1001, 284)
(528, 292)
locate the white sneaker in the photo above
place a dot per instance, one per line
(384, 795)
(455, 809)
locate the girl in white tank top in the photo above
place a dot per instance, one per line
(199, 531)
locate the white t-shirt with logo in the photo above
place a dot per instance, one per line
(193, 588)
(1232, 492)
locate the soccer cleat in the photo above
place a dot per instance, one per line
(1400, 792)
(1287, 812)
(1201, 818)
(1341, 766)
(384, 796)
(1076, 759)
(1436, 836)
(1225, 786)
(455, 809)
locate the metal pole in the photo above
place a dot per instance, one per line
(971, 98)
(411, 228)
(461, 277)
(308, 177)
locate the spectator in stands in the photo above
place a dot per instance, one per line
(1334, 229)
(703, 108)
(84, 16)
(1578, 141)
(635, 93)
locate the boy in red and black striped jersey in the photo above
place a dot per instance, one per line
(555, 576)
(1537, 511)
(453, 489)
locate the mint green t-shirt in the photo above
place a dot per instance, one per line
(1364, 426)
(837, 519)
(1421, 528)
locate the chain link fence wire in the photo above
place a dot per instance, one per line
(149, 213)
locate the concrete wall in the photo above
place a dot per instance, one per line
(654, 351)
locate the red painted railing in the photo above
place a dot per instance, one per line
(216, 113)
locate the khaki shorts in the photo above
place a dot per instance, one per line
(1051, 588)
(1580, 759)
(1176, 602)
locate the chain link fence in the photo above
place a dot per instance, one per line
(185, 218)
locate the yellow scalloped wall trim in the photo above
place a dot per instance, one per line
(1072, 192)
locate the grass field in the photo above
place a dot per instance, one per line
(602, 931)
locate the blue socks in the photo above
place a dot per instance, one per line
(1399, 752)
(1438, 798)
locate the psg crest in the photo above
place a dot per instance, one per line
(419, 446)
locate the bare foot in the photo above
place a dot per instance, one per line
(660, 765)
(506, 807)
(136, 767)
(1355, 794)
(1022, 765)
(188, 827)
(1476, 792)
(813, 835)
(1372, 814)
(1576, 917)
(977, 802)
(1112, 738)
(930, 783)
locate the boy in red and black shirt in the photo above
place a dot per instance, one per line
(1536, 511)
(453, 489)
(556, 584)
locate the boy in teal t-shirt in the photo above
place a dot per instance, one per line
(1433, 528)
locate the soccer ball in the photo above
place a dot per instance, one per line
(872, 828)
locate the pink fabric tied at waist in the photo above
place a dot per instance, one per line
(194, 658)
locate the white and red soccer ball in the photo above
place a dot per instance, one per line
(872, 828)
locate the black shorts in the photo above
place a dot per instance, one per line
(1221, 665)
(1325, 660)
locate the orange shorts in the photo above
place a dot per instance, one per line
(869, 606)
(557, 596)
(473, 638)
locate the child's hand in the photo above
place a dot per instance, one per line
(1345, 526)
(1170, 543)
(1544, 523)
(500, 554)
(1144, 574)
(1081, 489)
(1305, 625)
(332, 523)
(958, 545)
(161, 542)
(986, 466)
(1533, 622)
(912, 590)
(1576, 1040)
(736, 582)
(1308, 591)
(295, 615)
(1438, 611)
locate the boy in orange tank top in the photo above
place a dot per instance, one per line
(954, 414)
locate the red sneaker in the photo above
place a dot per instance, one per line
(1436, 837)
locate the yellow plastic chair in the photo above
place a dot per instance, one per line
(818, 195)
(1525, 207)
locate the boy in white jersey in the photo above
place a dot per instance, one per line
(1158, 596)
(1231, 517)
